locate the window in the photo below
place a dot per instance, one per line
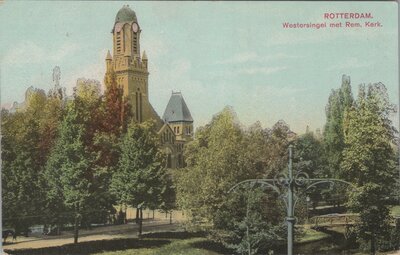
(118, 42)
(178, 130)
(134, 43)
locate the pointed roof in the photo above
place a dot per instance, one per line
(144, 55)
(108, 55)
(177, 110)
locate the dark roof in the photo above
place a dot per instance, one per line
(177, 110)
(125, 14)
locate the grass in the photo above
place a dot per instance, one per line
(176, 247)
(395, 210)
(168, 243)
(311, 235)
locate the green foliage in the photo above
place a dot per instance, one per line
(368, 137)
(221, 155)
(339, 101)
(309, 156)
(137, 180)
(368, 160)
(213, 168)
(68, 165)
(254, 232)
(27, 138)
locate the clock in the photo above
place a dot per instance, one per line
(135, 27)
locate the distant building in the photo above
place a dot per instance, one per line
(28, 94)
(129, 66)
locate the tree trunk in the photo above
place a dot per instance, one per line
(170, 217)
(140, 221)
(78, 217)
(137, 215)
(373, 244)
(76, 229)
(153, 214)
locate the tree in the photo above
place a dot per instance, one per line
(339, 101)
(91, 114)
(116, 108)
(20, 192)
(368, 159)
(309, 158)
(68, 166)
(278, 139)
(221, 155)
(137, 179)
(251, 230)
(168, 195)
(24, 151)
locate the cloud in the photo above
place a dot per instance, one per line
(65, 50)
(177, 77)
(96, 71)
(24, 53)
(261, 70)
(29, 52)
(253, 57)
(348, 64)
(239, 58)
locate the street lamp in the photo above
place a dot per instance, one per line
(287, 186)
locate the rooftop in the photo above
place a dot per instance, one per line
(177, 110)
(125, 14)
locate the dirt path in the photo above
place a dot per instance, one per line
(98, 233)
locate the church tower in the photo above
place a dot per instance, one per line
(127, 67)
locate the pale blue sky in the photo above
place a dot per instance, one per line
(215, 53)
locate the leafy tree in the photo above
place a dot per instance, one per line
(90, 106)
(339, 100)
(138, 178)
(252, 231)
(278, 138)
(309, 158)
(20, 192)
(116, 108)
(168, 195)
(67, 168)
(368, 159)
(24, 150)
(221, 155)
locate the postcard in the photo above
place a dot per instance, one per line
(219, 127)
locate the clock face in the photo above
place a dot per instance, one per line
(135, 27)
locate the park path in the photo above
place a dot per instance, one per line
(98, 233)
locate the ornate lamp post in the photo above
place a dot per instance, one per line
(287, 186)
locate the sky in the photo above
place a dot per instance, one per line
(215, 53)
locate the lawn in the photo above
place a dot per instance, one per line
(176, 247)
(163, 243)
(167, 243)
(311, 235)
(395, 210)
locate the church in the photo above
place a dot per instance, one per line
(130, 67)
